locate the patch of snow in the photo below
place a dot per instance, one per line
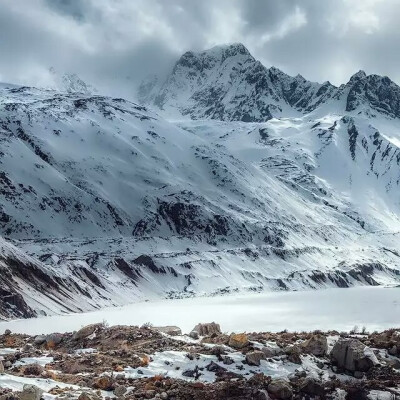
(273, 311)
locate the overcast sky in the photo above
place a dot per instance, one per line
(112, 43)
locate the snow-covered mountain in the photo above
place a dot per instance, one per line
(228, 83)
(272, 183)
(69, 83)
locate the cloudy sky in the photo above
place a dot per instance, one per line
(113, 43)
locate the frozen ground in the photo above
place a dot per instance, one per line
(341, 309)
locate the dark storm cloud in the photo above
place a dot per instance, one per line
(74, 8)
(115, 43)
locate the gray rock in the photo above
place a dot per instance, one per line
(270, 351)
(255, 357)
(280, 389)
(164, 395)
(7, 332)
(169, 330)
(262, 395)
(31, 392)
(228, 360)
(352, 355)
(218, 350)
(1, 367)
(39, 340)
(194, 335)
(207, 329)
(120, 390)
(54, 339)
(88, 396)
(393, 350)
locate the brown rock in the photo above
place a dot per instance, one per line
(255, 357)
(103, 383)
(317, 345)
(238, 340)
(86, 331)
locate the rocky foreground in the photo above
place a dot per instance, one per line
(127, 362)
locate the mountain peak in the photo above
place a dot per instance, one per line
(233, 49)
(220, 52)
(358, 76)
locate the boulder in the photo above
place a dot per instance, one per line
(207, 329)
(312, 387)
(39, 340)
(238, 340)
(218, 350)
(317, 345)
(86, 331)
(228, 360)
(31, 392)
(103, 383)
(169, 330)
(280, 389)
(393, 350)
(7, 332)
(53, 340)
(293, 353)
(1, 367)
(272, 351)
(120, 390)
(33, 369)
(88, 396)
(255, 357)
(194, 335)
(352, 355)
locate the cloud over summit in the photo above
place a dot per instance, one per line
(114, 43)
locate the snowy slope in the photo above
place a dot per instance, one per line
(104, 202)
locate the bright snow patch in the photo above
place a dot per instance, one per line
(340, 309)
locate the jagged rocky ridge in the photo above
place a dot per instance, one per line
(228, 83)
(103, 201)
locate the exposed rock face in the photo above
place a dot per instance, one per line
(317, 345)
(227, 83)
(352, 355)
(207, 329)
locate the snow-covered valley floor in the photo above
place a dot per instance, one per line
(376, 308)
